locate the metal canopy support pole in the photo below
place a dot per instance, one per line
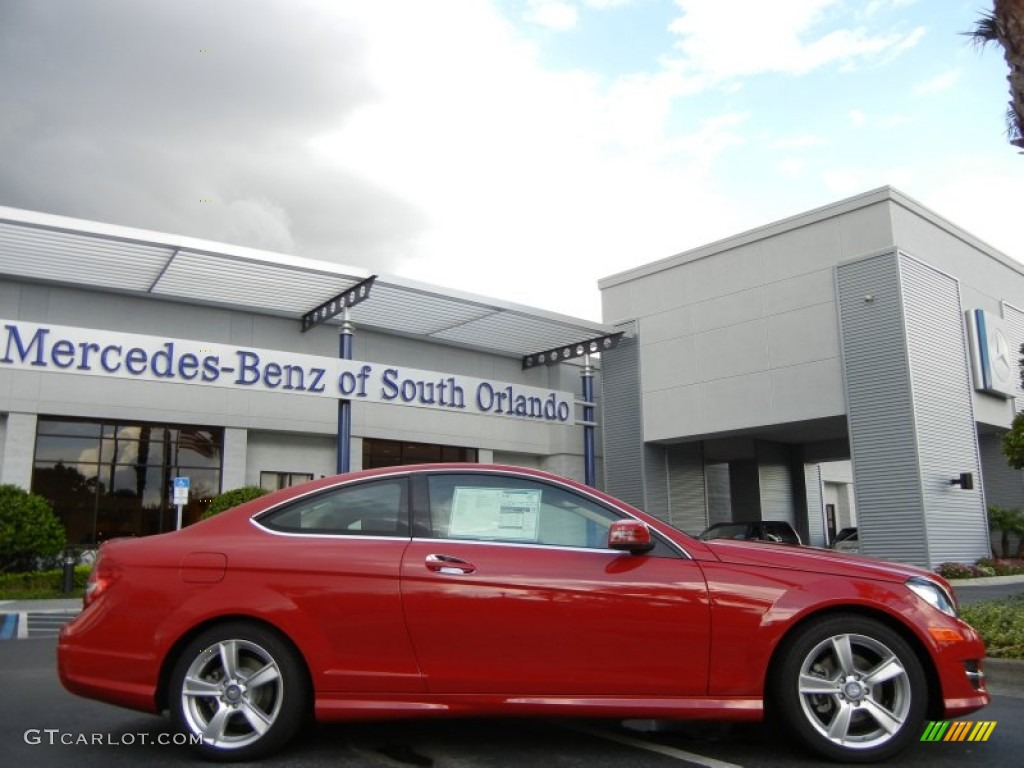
(587, 375)
(345, 405)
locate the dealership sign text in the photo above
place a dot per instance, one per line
(61, 349)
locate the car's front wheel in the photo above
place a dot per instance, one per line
(239, 691)
(851, 689)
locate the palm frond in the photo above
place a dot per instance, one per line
(986, 30)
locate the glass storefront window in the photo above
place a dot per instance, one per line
(275, 481)
(70, 428)
(109, 479)
(393, 453)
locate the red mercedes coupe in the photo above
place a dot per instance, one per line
(462, 590)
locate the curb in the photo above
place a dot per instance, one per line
(986, 581)
(1004, 677)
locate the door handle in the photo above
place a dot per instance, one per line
(448, 564)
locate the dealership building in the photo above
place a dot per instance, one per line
(130, 358)
(854, 365)
(870, 338)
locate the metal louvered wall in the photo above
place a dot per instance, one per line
(957, 525)
(718, 493)
(1015, 325)
(776, 482)
(815, 506)
(622, 428)
(656, 498)
(890, 508)
(910, 411)
(1004, 485)
(688, 507)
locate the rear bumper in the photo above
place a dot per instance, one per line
(105, 675)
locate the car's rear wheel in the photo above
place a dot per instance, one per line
(851, 689)
(239, 690)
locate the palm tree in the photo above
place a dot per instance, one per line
(1005, 26)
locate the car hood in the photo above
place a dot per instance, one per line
(825, 561)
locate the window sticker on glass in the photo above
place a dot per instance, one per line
(495, 513)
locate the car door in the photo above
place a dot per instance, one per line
(513, 590)
(336, 555)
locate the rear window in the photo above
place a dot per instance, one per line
(377, 508)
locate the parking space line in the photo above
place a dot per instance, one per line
(661, 749)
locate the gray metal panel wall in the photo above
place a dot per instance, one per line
(719, 495)
(656, 483)
(622, 430)
(1004, 485)
(1015, 323)
(890, 508)
(687, 496)
(775, 482)
(956, 524)
(815, 506)
(745, 490)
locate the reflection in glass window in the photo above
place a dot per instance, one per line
(275, 481)
(376, 508)
(394, 453)
(496, 508)
(69, 428)
(69, 450)
(109, 479)
(197, 448)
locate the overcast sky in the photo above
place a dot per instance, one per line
(520, 149)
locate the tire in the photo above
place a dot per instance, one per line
(851, 689)
(241, 688)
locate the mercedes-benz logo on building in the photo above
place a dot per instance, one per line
(999, 350)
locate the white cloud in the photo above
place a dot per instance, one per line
(552, 14)
(939, 83)
(860, 119)
(792, 167)
(529, 180)
(974, 193)
(800, 141)
(874, 7)
(724, 40)
(844, 182)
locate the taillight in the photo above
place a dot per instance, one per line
(101, 577)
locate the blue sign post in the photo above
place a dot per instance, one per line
(181, 486)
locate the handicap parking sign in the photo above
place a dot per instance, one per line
(181, 485)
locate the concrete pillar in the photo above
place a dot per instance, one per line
(19, 447)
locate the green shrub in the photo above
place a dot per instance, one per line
(1001, 624)
(233, 498)
(41, 584)
(1005, 522)
(1008, 567)
(956, 571)
(29, 531)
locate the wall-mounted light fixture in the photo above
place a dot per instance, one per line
(965, 481)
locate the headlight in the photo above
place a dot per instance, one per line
(933, 594)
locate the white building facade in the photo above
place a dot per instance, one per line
(871, 331)
(129, 358)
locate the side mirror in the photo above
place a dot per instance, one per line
(630, 536)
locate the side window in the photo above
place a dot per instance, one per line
(369, 509)
(496, 508)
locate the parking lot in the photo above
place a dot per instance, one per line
(41, 724)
